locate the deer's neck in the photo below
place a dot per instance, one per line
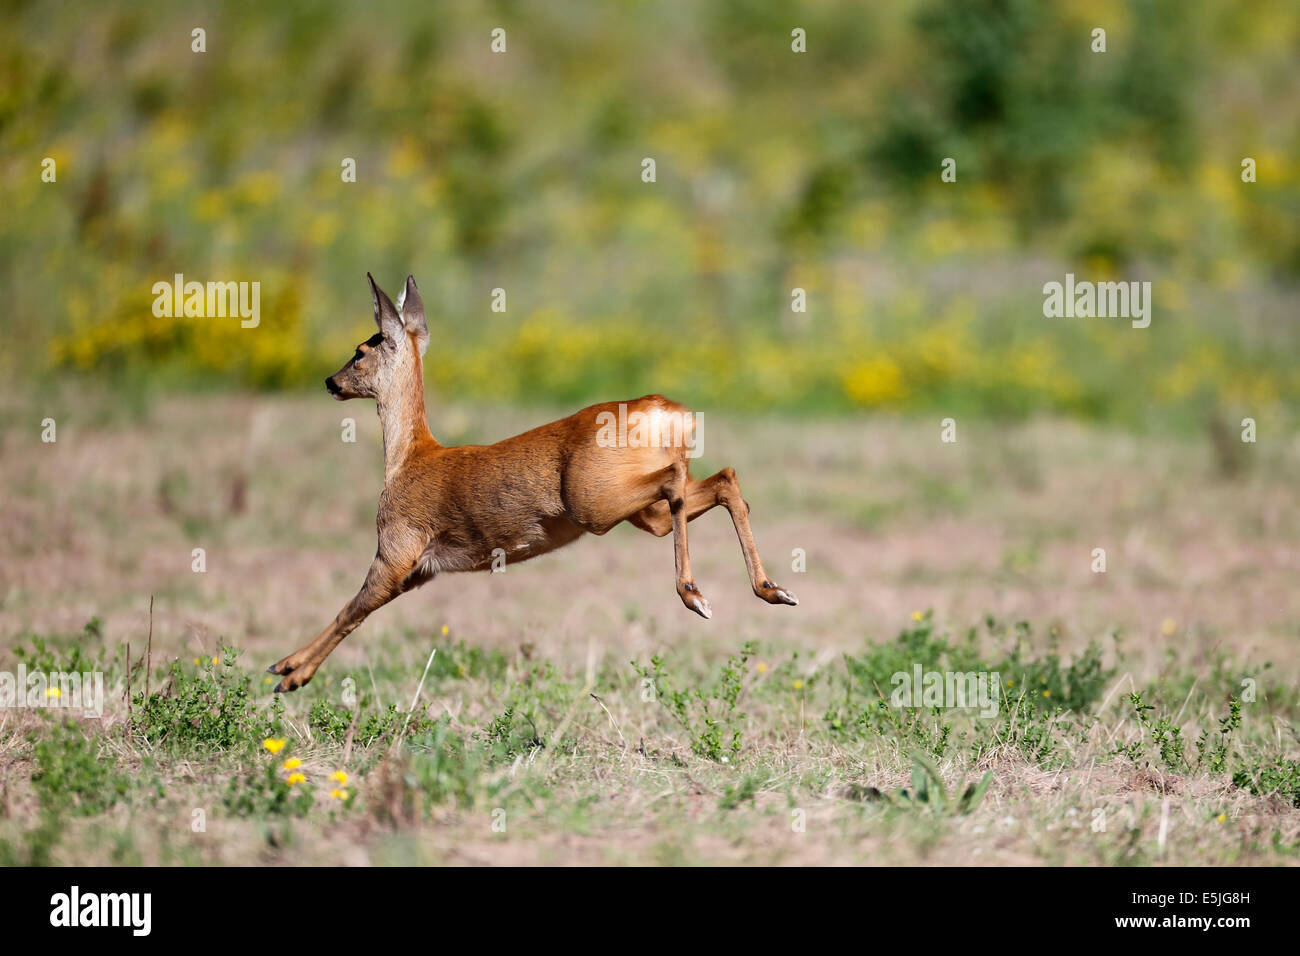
(404, 422)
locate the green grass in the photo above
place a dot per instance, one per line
(760, 749)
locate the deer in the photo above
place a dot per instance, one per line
(447, 509)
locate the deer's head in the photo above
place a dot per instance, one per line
(389, 359)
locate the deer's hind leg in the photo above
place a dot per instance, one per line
(674, 496)
(700, 496)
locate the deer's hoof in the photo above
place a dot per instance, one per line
(293, 680)
(695, 601)
(772, 594)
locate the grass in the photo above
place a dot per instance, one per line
(575, 713)
(760, 756)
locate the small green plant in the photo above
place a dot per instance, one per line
(1281, 777)
(332, 721)
(1212, 754)
(209, 707)
(929, 790)
(75, 774)
(1167, 739)
(506, 736)
(709, 716)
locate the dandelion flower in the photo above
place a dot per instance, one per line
(295, 778)
(53, 692)
(340, 775)
(1047, 693)
(274, 745)
(215, 659)
(338, 794)
(1221, 817)
(293, 763)
(196, 660)
(445, 630)
(761, 667)
(798, 685)
(1167, 626)
(917, 615)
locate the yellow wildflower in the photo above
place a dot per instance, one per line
(293, 763)
(274, 745)
(295, 778)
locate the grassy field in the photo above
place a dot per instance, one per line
(576, 713)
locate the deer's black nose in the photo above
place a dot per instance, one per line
(332, 386)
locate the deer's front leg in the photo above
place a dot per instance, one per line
(384, 582)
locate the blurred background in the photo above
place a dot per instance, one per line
(775, 170)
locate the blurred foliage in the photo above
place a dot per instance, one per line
(775, 170)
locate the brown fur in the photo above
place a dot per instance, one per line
(448, 509)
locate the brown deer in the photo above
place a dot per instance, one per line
(452, 509)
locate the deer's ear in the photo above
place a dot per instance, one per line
(386, 314)
(411, 306)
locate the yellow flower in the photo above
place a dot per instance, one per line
(798, 685)
(338, 794)
(1047, 693)
(1167, 626)
(917, 615)
(215, 659)
(761, 667)
(340, 775)
(53, 692)
(273, 745)
(445, 630)
(266, 680)
(295, 778)
(1221, 817)
(293, 763)
(196, 660)
(1011, 683)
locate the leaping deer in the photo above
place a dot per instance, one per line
(450, 509)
